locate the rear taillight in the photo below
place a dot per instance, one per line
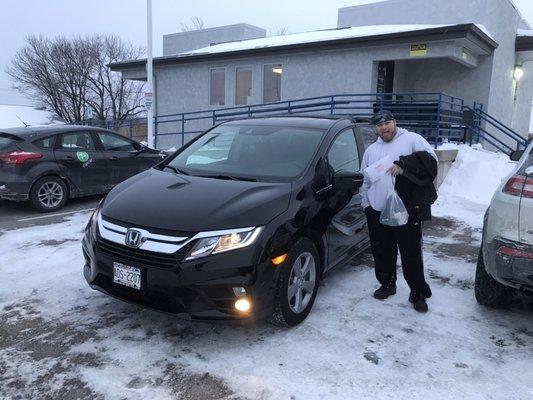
(18, 157)
(516, 253)
(519, 185)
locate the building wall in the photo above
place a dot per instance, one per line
(185, 87)
(501, 19)
(186, 41)
(444, 75)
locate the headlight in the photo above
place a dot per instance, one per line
(93, 221)
(229, 240)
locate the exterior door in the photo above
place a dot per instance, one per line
(347, 227)
(81, 162)
(123, 155)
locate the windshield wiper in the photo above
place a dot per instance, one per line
(176, 170)
(229, 177)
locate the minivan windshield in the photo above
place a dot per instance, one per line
(250, 152)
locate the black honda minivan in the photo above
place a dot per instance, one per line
(239, 224)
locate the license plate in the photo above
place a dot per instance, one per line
(126, 275)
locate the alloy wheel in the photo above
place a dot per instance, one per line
(50, 194)
(302, 282)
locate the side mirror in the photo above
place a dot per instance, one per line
(346, 181)
(516, 155)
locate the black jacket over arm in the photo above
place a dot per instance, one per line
(415, 186)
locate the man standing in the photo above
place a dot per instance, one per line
(412, 174)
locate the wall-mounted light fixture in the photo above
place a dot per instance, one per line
(277, 70)
(518, 72)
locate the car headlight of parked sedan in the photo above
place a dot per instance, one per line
(224, 241)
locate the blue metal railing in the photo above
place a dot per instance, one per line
(437, 116)
(489, 129)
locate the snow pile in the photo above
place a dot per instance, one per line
(467, 190)
(17, 116)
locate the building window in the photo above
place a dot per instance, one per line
(243, 86)
(217, 92)
(272, 83)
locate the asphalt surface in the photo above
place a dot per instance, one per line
(16, 215)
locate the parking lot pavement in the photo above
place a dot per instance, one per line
(15, 215)
(59, 339)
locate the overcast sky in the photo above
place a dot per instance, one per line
(127, 18)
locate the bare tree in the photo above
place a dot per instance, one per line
(110, 96)
(70, 77)
(197, 23)
(281, 31)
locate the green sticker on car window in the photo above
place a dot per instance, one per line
(82, 156)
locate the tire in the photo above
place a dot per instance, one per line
(287, 310)
(488, 291)
(48, 194)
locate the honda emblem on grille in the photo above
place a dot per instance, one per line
(134, 238)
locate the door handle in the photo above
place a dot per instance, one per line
(69, 158)
(114, 158)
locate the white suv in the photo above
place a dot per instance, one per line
(505, 263)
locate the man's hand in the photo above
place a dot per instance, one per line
(395, 170)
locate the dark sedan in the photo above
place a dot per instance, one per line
(241, 223)
(49, 165)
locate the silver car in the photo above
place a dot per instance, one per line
(505, 263)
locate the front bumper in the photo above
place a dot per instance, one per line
(516, 272)
(199, 289)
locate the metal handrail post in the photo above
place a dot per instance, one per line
(437, 136)
(182, 129)
(155, 131)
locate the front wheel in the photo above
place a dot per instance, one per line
(297, 284)
(49, 194)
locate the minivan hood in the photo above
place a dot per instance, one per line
(165, 200)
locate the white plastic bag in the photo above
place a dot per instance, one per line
(378, 170)
(394, 213)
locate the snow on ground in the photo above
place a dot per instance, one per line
(467, 190)
(17, 116)
(60, 339)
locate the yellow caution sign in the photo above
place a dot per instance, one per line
(418, 50)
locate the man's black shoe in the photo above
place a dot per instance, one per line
(385, 291)
(419, 301)
(426, 293)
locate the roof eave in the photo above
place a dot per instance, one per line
(431, 34)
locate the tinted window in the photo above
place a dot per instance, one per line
(268, 153)
(272, 83)
(46, 143)
(6, 141)
(115, 143)
(243, 85)
(343, 153)
(217, 92)
(77, 141)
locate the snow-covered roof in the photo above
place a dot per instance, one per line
(524, 33)
(13, 116)
(315, 36)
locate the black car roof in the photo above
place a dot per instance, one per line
(43, 131)
(305, 121)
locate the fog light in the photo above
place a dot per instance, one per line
(278, 260)
(239, 291)
(243, 305)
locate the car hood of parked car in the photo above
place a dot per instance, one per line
(165, 200)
